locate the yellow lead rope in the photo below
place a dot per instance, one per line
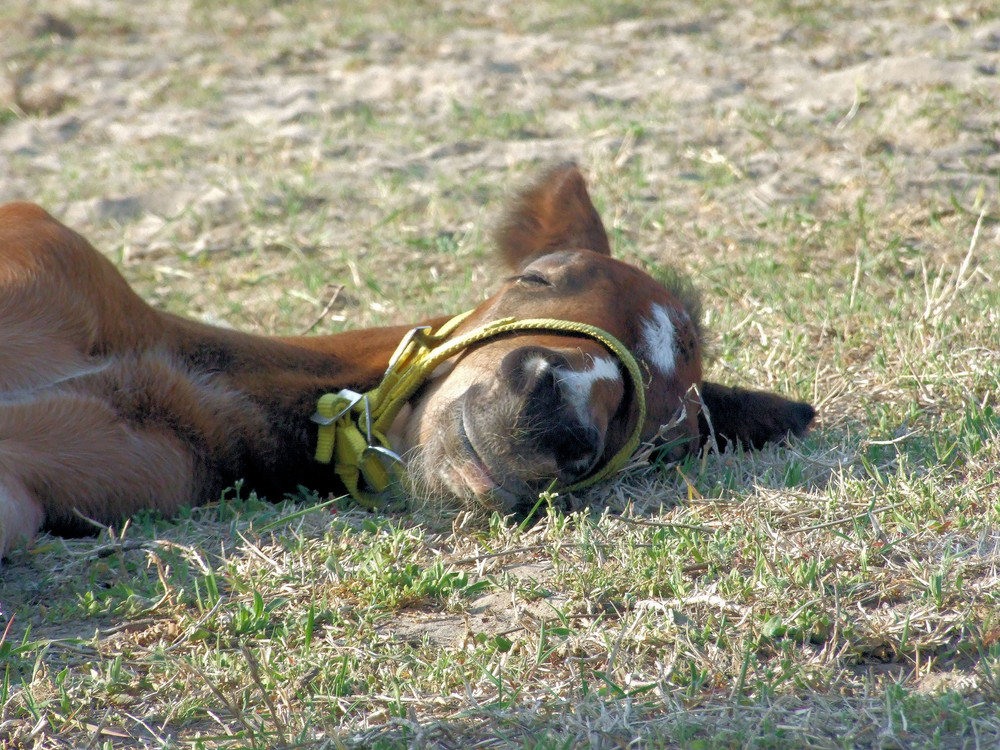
(352, 425)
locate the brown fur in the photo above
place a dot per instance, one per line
(554, 214)
(108, 406)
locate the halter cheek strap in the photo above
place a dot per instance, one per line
(353, 426)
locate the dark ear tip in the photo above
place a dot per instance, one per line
(567, 166)
(803, 415)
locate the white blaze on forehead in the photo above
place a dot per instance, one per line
(583, 380)
(659, 339)
(576, 385)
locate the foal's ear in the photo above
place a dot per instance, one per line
(555, 213)
(751, 418)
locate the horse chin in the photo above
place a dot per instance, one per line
(445, 486)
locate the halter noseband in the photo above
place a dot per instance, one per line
(352, 425)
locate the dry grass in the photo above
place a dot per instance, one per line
(827, 176)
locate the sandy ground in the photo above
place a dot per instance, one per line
(128, 124)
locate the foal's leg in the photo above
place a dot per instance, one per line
(63, 455)
(751, 418)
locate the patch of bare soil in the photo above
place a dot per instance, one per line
(160, 130)
(490, 615)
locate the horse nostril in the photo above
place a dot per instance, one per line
(540, 381)
(553, 414)
(533, 372)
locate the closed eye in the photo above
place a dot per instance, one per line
(532, 278)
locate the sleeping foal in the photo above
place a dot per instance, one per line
(108, 406)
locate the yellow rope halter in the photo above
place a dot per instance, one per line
(352, 425)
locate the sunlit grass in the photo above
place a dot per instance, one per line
(838, 592)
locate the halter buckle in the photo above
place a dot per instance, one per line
(402, 347)
(353, 397)
(383, 452)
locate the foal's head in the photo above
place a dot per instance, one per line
(501, 421)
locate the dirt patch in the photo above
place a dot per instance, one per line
(495, 614)
(167, 130)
